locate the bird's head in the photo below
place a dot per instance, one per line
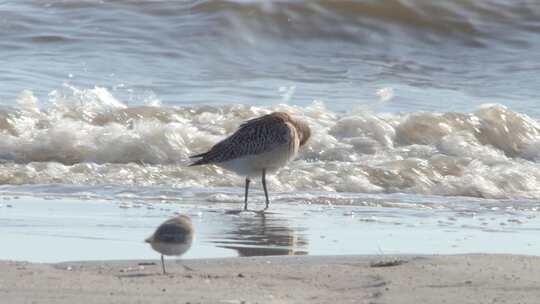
(304, 132)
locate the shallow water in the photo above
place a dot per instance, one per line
(55, 229)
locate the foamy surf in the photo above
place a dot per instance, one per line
(90, 138)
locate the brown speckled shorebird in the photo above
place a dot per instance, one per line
(261, 145)
(173, 237)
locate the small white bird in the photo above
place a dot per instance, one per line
(261, 145)
(172, 237)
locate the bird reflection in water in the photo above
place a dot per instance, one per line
(263, 234)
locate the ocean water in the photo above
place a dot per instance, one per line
(413, 104)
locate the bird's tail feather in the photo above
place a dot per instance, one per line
(198, 155)
(201, 161)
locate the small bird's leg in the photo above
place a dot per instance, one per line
(246, 193)
(264, 187)
(163, 264)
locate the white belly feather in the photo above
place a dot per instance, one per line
(171, 248)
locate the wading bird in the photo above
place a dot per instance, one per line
(261, 145)
(172, 237)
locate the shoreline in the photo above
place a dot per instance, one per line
(467, 278)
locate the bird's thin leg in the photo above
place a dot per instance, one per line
(246, 193)
(264, 187)
(163, 264)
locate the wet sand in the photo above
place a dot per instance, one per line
(307, 279)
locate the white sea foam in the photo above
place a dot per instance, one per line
(91, 138)
(385, 94)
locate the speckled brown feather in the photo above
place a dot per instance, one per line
(255, 136)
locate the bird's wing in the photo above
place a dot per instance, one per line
(171, 233)
(255, 136)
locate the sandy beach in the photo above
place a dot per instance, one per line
(309, 279)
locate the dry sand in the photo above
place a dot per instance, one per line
(328, 279)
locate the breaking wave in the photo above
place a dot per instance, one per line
(89, 137)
